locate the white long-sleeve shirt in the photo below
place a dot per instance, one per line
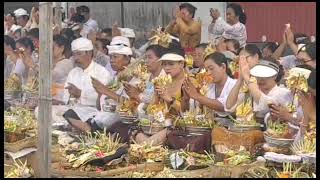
(278, 95)
(82, 80)
(222, 29)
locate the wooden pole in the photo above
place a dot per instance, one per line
(58, 15)
(44, 113)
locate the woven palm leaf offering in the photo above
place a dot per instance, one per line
(161, 38)
(245, 116)
(186, 160)
(95, 149)
(209, 50)
(146, 152)
(192, 119)
(234, 67)
(203, 79)
(291, 171)
(297, 81)
(306, 147)
(19, 170)
(17, 123)
(236, 157)
(32, 85)
(127, 107)
(13, 83)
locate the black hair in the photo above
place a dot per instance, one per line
(107, 31)
(281, 69)
(84, 9)
(272, 46)
(238, 12)
(311, 50)
(175, 47)
(190, 8)
(157, 49)
(34, 32)
(301, 38)
(68, 33)
(312, 82)
(62, 41)
(202, 45)
(236, 44)
(10, 41)
(252, 49)
(220, 59)
(78, 18)
(26, 42)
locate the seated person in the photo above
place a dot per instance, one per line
(79, 83)
(170, 95)
(61, 65)
(153, 54)
(218, 91)
(262, 93)
(198, 58)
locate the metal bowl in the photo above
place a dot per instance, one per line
(282, 142)
(243, 128)
(151, 130)
(198, 130)
(129, 119)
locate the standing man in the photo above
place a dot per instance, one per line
(185, 27)
(89, 22)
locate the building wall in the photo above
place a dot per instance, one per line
(269, 18)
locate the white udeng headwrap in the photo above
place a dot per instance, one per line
(127, 32)
(120, 45)
(119, 49)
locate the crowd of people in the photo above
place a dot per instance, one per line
(88, 59)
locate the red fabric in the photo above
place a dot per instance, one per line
(188, 50)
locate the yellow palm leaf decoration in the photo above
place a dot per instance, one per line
(209, 50)
(161, 38)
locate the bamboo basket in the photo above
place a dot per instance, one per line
(20, 144)
(56, 170)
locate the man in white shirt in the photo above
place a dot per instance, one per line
(22, 17)
(89, 24)
(78, 82)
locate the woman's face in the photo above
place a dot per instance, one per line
(266, 83)
(152, 61)
(252, 60)
(57, 50)
(173, 68)
(216, 71)
(231, 16)
(118, 62)
(304, 58)
(27, 50)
